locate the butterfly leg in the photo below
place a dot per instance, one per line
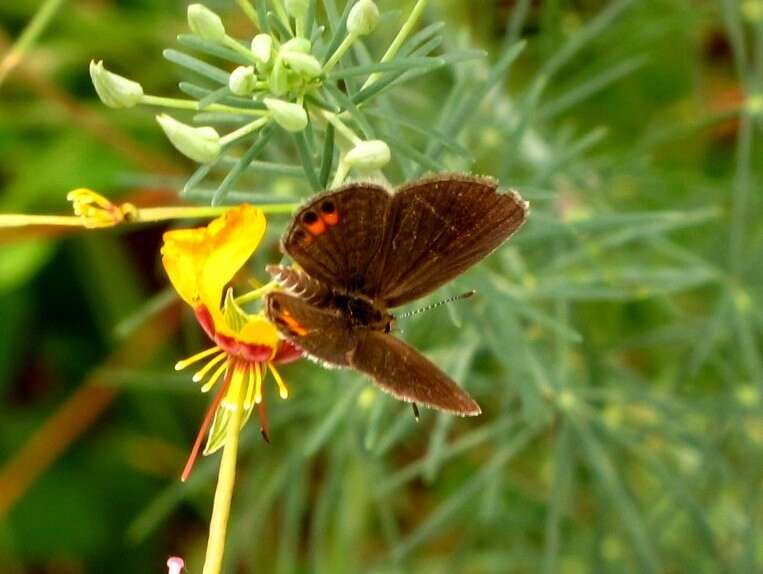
(416, 411)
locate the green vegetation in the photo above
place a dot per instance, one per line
(615, 344)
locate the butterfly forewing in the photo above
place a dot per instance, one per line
(409, 376)
(338, 237)
(439, 227)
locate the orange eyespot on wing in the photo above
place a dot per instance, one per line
(313, 223)
(330, 219)
(329, 213)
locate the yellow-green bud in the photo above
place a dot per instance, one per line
(297, 45)
(205, 23)
(115, 91)
(200, 144)
(279, 79)
(368, 156)
(262, 48)
(291, 117)
(302, 63)
(242, 81)
(363, 18)
(297, 8)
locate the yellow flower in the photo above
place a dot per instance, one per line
(200, 263)
(96, 211)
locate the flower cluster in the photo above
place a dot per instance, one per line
(287, 76)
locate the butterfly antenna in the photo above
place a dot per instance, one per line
(415, 312)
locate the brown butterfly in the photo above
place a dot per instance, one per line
(363, 250)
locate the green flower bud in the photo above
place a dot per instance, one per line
(115, 91)
(297, 8)
(363, 18)
(278, 82)
(297, 45)
(262, 48)
(368, 156)
(291, 117)
(205, 23)
(200, 144)
(305, 64)
(242, 81)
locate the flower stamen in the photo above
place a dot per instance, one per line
(263, 414)
(205, 426)
(282, 390)
(213, 379)
(258, 384)
(201, 373)
(249, 397)
(180, 365)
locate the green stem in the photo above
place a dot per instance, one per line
(400, 39)
(24, 220)
(256, 294)
(250, 12)
(236, 47)
(341, 173)
(36, 26)
(153, 214)
(281, 12)
(226, 479)
(341, 127)
(179, 104)
(341, 50)
(244, 131)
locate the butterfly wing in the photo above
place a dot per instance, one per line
(338, 237)
(439, 227)
(406, 374)
(393, 365)
(321, 332)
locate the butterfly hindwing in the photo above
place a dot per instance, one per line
(438, 227)
(338, 237)
(321, 332)
(406, 374)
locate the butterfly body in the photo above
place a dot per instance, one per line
(362, 251)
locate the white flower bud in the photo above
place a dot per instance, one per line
(363, 18)
(297, 45)
(115, 91)
(242, 81)
(368, 156)
(200, 144)
(205, 23)
(291, 117)
(175, 565)
(262, 47)
(305, 64)
(297, 8)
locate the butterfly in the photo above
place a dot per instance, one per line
(362, 250)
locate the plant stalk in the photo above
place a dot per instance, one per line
(226, 479)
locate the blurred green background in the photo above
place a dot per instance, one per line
(615, 345)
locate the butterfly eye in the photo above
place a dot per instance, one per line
(309, 218)
(328, 207)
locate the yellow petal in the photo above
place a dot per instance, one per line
(201, 261)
